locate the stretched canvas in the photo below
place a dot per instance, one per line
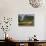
(25, 20)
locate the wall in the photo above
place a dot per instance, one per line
(11, 8)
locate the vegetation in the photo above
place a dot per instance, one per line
(27, 20)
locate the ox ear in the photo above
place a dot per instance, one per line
(35, 3)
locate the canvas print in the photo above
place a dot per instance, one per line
(25, 20)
